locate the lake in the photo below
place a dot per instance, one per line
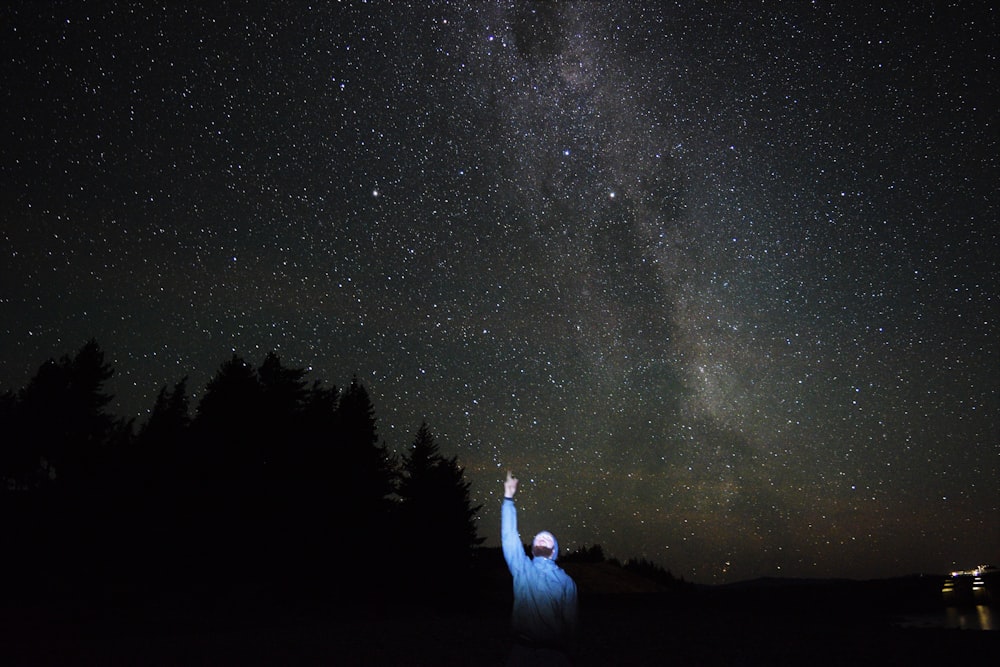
(980, 617)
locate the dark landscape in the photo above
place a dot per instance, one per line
(766, 622)
(273, 527)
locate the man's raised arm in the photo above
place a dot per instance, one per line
(513, 550)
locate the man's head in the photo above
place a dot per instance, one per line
(545, 546)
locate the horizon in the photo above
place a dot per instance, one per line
(719, 285)
(615, 552)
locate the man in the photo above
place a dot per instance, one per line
(544, 615)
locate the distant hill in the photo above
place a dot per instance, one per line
(609, 579)
(784, 582)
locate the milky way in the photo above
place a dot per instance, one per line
(718, 284)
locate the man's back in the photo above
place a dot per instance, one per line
(545, 597)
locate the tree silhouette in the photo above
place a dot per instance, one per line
(60, 445)
(283, 389)
(272, 478)
(283, 397)
(438, 518)
(585, 554)
(355, 485)
(367, 468)
(170, 418)
(230, 407)
(166, 497)
(655, 572)
(226, 462)
(61, 414)
(319, 423)
(21, 462)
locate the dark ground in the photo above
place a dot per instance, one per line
(763, 623)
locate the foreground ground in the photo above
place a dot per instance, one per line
(826, 624)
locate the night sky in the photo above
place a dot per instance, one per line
(717, 281)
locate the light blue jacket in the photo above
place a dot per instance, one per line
(545, 605)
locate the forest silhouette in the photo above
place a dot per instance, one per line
(271, 481)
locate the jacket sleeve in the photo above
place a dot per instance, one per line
(513, 550)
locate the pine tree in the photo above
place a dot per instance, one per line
(231, 401)
(61, 413)
(283, 390)
(226, 426)
(284, 397)
(170, 417)
(367, 465)
(438, 517)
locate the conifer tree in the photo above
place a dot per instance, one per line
(367, 465)
(169, 418)
(437, 513)
(61, 413)
(283, 400)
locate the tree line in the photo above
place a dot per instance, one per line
(270, 478)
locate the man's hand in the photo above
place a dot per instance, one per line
(509, 486)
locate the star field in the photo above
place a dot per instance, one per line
(719, 284)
